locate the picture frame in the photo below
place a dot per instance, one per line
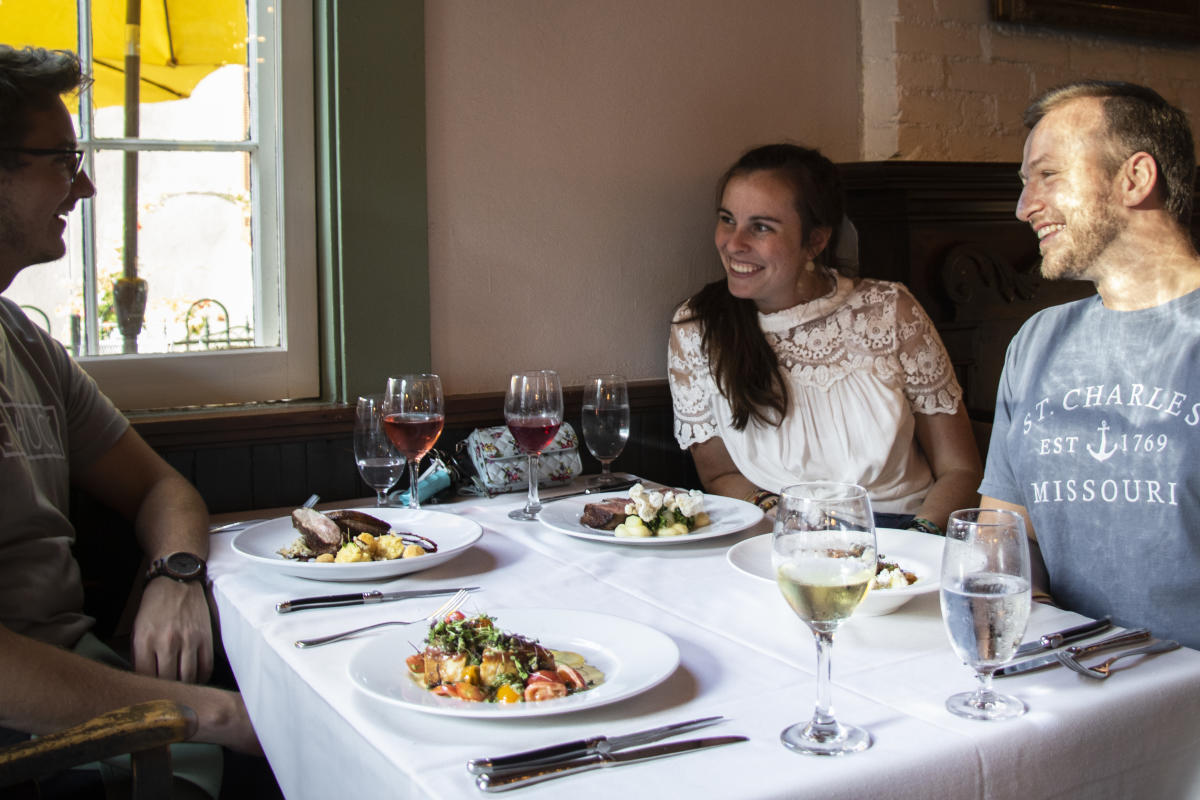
(1177, 20)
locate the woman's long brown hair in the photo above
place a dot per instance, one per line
(743, 364)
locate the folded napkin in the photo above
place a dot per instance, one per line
(434, 479)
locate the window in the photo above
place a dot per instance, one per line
(197, 209)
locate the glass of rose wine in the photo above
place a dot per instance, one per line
(378, 462)
(533, 411)
(605, 422)
(413, 415)
(986, 596)
(823, 555)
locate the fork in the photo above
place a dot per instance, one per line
(1101, 671)
(447, 607)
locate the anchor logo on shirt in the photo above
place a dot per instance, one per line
(1101, 453)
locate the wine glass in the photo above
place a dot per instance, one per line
(605, 422)
(533, 411)
(823, 555)
(378, 462)
(413, 415)
(986, 598)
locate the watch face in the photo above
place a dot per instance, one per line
(184, 565)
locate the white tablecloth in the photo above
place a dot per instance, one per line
(743, 654)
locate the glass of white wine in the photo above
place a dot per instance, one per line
(605, 423)
(378, 462)
(986, 599)
(823, 555)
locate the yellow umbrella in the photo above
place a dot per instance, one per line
(181, 41)
(139, 55)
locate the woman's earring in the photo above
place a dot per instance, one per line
(811, 266)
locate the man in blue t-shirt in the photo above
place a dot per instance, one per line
(1097, 430)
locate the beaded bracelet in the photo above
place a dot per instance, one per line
(922, 524)
(763, 499)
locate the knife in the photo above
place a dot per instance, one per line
(1051, 659)
(362, 598)
(489, 782)
(616, 487)
(1059, 638)
(602, 745)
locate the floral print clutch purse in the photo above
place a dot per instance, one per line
(500, 465)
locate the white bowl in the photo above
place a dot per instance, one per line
(914, 551)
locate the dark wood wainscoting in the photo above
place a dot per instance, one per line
(949, 232)
(264, 459)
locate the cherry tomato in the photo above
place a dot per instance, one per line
(416, 662)
(468, 691)
(455, 616)
(443, 690)
(508, 694)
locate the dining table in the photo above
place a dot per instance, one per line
(742, 654)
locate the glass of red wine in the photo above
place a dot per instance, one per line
(413, 414)
(533, 411)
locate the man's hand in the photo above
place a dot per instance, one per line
(172, 634)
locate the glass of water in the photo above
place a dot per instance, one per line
(605, 422)
(986, 598)
(378, 462)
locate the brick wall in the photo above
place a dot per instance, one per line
(941, 82)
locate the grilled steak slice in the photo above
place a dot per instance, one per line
(321, 534)
(606, 515)
(356, 522)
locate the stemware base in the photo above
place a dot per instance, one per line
(833, 739)
(990, 706)
(525, 514)
(605, 479)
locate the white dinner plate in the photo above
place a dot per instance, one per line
(914, 551)
(632, 656)
(725, 516)
(261, 544)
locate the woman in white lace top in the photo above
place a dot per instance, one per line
(786, 371)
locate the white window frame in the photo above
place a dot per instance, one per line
(284, 213)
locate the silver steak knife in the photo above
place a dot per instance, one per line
(1057, 639)
(543, 756)
(1051, 659)
(489, 782)
(362, 598)
(616, 487)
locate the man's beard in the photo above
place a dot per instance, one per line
(1091, 233)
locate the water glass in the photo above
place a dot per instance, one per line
(986, 598)
(378, 462)
(605, 422)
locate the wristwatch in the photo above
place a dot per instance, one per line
(183, 567)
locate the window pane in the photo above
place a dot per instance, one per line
(208, 214)
(193, 242)
(182, 47)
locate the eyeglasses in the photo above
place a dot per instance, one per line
(70, 160)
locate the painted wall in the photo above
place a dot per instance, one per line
(573, 149)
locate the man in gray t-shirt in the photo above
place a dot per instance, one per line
(1098, 411)
(58, 430)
